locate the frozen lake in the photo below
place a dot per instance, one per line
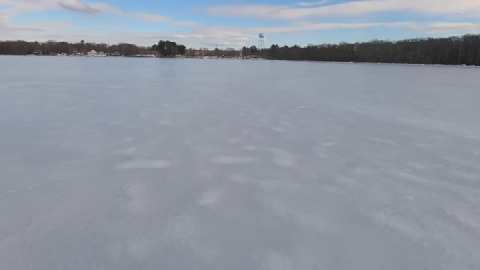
(118, 163)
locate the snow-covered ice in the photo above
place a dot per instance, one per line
(118, 163)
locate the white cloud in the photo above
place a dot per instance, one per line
(435, 27)
(309, 4)
(78, 6)
(149, 17)
(10, 31)
(24, 6)
(442, 27)
(354, 8)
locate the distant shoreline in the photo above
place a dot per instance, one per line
(456, 51)
(249, 59)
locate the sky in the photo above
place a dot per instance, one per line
(235, 23)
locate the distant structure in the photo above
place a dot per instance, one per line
(261, 41)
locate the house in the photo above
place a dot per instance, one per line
(92, 53)
(96, 54)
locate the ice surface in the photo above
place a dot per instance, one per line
(120, 163)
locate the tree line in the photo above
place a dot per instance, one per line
(169, 48)
(463, 50)
(51, 47)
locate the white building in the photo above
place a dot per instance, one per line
(92, 53)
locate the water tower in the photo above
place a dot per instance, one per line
(261, 41)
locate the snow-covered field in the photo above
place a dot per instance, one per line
(119, 163)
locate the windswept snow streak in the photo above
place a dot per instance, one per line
(229, 160)
(143, 164)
